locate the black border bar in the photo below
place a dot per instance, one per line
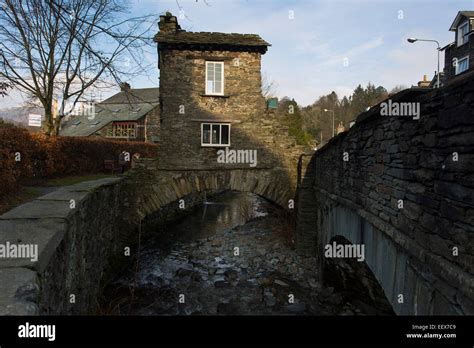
(241, 330)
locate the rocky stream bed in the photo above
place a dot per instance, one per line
(233, 256)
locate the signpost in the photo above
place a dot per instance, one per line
(34, 120)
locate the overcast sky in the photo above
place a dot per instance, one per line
(319, 46)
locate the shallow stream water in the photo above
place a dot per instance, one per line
(233, 255)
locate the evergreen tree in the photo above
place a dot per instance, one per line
(293, 119)
(312, 123)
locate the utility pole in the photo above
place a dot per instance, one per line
(413, 40)
(326, 110)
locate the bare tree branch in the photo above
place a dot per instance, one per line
(3, 88)
(58, 49)
(269, 87)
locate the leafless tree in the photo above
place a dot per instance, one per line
(269, 87)
(397, 88)
(57, 49)
(3, 88)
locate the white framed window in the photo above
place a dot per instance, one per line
(215, 134)
(215, 78)
(462, 65)
(463, 29)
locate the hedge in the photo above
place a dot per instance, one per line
(26, 157)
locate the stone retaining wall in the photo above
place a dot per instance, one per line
(79, 231)
(82, 230)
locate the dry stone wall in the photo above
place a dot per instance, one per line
(80, 233)
(407, 191)
(82, 245)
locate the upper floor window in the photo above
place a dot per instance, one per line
(462, 65)
(215, 78)
(463, 29)
(215, 134)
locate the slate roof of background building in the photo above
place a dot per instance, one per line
(136, 95)
(130, 106)
(468, 14)
(211, 38)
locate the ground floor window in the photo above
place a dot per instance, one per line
(123, 130)
(215, 134)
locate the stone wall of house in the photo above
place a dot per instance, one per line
(182, 85)
(459, 53)
(152, 126)
(424, 248)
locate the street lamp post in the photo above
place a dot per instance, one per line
(413, 40)
(326, 110)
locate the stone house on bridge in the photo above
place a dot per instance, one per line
(210, 99)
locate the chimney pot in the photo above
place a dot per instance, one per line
(425, 82)
(168, 23)
(125, 87)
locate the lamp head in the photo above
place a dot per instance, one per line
(412, 40)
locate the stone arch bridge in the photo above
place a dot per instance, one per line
(155, 190)
(401, 187)
(404, 189)
(423, 250)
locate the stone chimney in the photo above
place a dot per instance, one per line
(125, 87)
(168, 23)
(425, 82)
(340, 128)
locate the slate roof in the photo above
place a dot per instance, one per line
(130, 106)
(137, 95)
(468, 14)
(211, 39)
(447, 46)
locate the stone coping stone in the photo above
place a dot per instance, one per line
(39, 209)
(64, 195)
(43, 223)
(18, 291)
(45, 233)
(93, 184)
(56, 203)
